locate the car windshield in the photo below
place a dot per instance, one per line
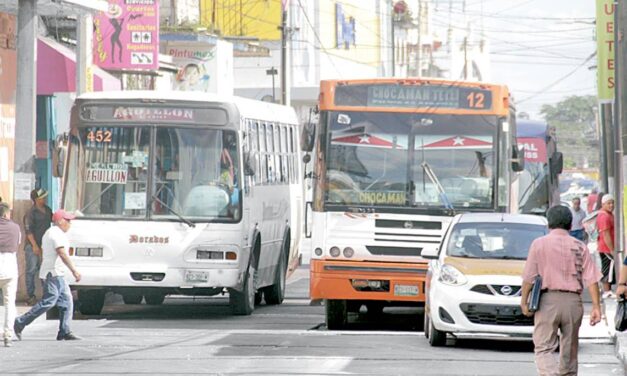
(498, 240)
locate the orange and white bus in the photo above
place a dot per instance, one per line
(394, 160)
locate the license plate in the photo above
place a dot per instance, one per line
(195, 276)
(405, 290)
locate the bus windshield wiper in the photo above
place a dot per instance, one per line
(183, 219)
(436, 182)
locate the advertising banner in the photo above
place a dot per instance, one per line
(127, 35)
(605, 50)
(8, 85)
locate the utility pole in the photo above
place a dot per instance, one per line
(620, 34)
(25, 103)
(84, 76)
(419, 51)
(285, 33)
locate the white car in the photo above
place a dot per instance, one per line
(474, 279)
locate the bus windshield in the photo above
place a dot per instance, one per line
(165, 173)
(382, 158)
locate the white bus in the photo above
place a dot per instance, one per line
(182, 193)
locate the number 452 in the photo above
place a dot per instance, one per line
(99, 136)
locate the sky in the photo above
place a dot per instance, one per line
(539, 48)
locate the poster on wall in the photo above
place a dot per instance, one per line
(195, 64)
(8, 84)
(126, 36)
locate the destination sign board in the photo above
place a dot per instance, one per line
(413, 96)
(142, 114)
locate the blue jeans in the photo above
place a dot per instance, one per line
(33, 262)
(577, 234)
(56, 292)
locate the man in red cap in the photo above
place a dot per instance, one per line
(55, 244)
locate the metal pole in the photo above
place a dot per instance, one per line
(26, 95)
(419, 51)
(84, 74)
(284, 35)
(608, 134)
(603, 149)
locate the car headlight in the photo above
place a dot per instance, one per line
(451, 276)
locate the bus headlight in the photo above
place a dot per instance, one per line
(348, 252)
(449, 275)
(334, 251)
(318, 251)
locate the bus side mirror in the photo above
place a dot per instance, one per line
(518, 159)
(557, 162)
(430, 252)
(59, 152)
(250, 165)
(307, 138)
(306, 158)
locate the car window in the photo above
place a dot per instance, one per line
(497, 240)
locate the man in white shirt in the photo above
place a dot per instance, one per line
(55, 246)
(10, 237)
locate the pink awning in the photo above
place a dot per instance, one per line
(56, 70)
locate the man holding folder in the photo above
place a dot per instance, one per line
(566, 268)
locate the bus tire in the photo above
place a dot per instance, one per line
(243, 302)
(336, 314)
(258, 298)
(90, 302)
(437, 338)
(154, 298)
(275, 293)
(132, 297)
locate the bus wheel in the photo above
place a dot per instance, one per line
(90, 302)
(243, 302)
(132, 297)
(154, 298)
(258, 297)
(337, 314)
(276, 293)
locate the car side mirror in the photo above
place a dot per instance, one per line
(430, 252)
(250, 164)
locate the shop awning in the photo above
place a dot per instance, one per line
(56, 70)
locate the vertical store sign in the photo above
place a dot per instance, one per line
(605, 50)
(126, 36)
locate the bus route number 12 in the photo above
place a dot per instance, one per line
(99, 136)
(476, 100)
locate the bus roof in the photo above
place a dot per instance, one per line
(248, 108)
(531, 128)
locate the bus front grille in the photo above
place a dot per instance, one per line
(393, 251)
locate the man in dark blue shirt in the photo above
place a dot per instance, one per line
(36, 222)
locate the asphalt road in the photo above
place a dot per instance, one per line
(199, 336)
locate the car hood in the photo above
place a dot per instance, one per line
(486, 266)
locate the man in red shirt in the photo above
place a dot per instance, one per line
(605, 225)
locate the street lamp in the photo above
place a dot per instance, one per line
(272, 72)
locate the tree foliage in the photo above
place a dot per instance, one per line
(574, 121)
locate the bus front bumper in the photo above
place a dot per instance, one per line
(157, 276)
(367, 280)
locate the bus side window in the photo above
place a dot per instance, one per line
(292, 157)
(284, 156)
(263, 172)
(270, 154)
(253, 144)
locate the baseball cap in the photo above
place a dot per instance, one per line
(607, 198)
(62, 214)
